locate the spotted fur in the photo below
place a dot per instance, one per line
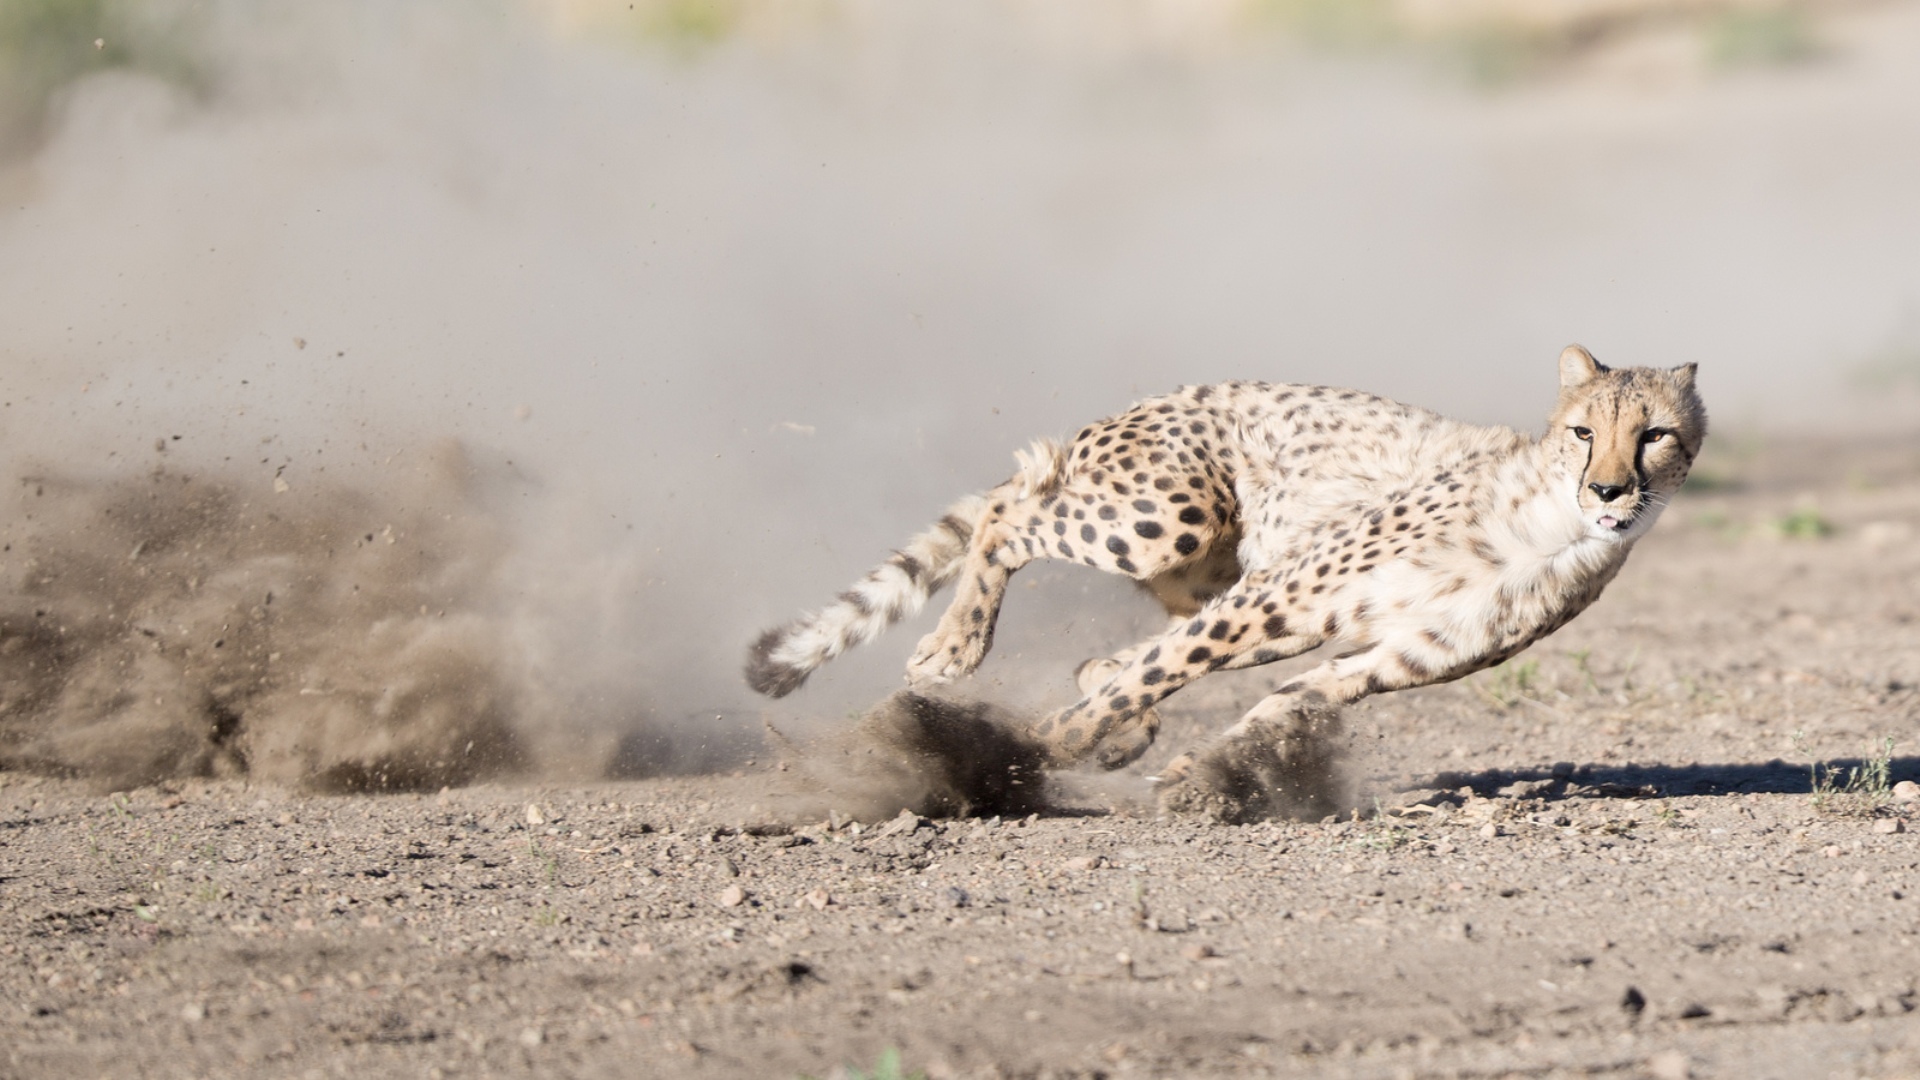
(1271, 519)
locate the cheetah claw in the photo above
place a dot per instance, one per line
(936, 663)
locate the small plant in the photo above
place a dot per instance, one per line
(1335, 23)
(46, 45)
(1860, 789)
(1708, 481)
(1803, 524)
(1382, 835)
(885, 1067)
(1760, 38)
(549, 863)
(1716, 522)
(1583, 663)
(1510, 683)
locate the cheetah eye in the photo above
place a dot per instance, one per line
(1652, 435)
(1583, 434)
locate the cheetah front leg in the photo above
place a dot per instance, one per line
(1280, 759)
(1115, 722)
(1126, 743)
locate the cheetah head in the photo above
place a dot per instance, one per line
(1625, 439)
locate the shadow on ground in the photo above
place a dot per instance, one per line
(1774, 777)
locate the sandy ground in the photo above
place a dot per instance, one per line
(1610, 862)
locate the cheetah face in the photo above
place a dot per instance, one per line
(1624, 440)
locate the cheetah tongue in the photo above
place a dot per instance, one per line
(1608, 521)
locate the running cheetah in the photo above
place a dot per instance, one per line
(1271, 519)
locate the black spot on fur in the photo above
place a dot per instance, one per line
(1148, 530)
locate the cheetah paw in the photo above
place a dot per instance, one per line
(1250, 777)
(1089, 675)
(936, 661)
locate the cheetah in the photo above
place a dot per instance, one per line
(1271, 519)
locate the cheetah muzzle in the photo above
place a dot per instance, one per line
(1271, 519)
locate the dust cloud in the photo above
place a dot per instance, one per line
(170, 625)
(721, 308)
(930, 754)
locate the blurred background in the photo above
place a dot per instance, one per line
(721, 299)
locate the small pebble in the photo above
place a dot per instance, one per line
(1081, 863)
(1489, 831)
(1906, 791)
(733, 896)
(1669, 1065)
(532, 1037)
(819, 899)
(905, 822)
(535, 817)
(1889, 825)
(193, 1012)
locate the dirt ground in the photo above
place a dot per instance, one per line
(1609, 858)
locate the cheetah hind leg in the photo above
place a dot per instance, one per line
(1281, 761)
(1123, 747)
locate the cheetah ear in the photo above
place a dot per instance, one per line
(1683, 376)
(1578, 367)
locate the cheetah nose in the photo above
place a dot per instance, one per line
(1609, 492)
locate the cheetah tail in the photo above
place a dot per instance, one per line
(782, 658)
